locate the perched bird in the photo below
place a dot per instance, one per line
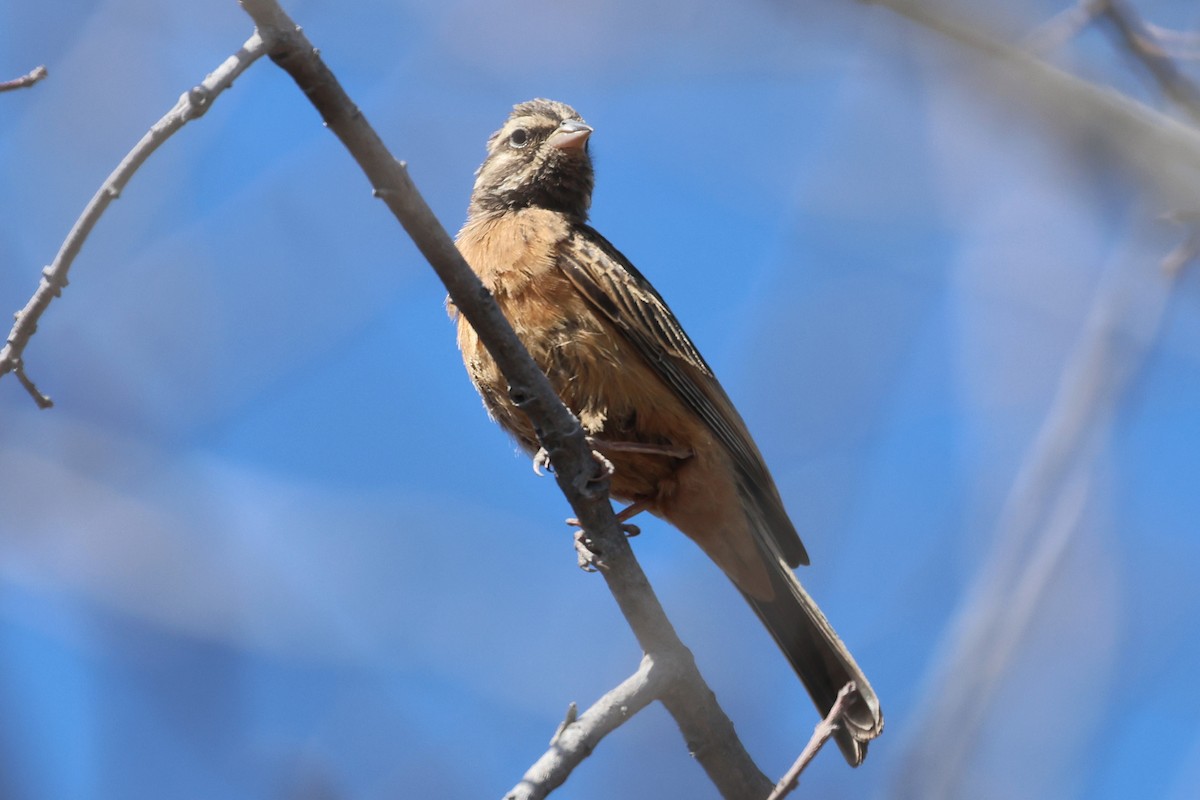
(620, 361)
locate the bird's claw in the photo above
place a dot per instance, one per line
(627, 528)
(541, 461)
(589, 558)
(606, 468)
(605, 465)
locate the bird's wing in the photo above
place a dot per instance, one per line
(615, 287)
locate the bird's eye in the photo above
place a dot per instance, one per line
(519, 138)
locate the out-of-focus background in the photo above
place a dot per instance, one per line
(268, 545)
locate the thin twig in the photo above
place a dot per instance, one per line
(41, 399)
(1140, 40)
(577, 738)
(25, 81)
(1144, 38)
(1187, 38)
(568, 720)
(1163, 149)
(1062, 27)
(821, 734)
(191, 105)
(1183, 45)
(1047, 490)
(1187, 250)
(705, 726)
(1040, 518)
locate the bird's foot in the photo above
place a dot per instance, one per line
(606, 467)
(541, 461)
(592, 483)
(586, 552)
(627, 528)
(585, 547)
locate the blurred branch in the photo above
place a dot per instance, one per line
(25, 81)
(1186, 251)
(1165, 150)
(191, 104)
(821, 734)
(1044, 508)
(1062, 27)
(1177, 44)
(1141, 37)
(1144, 45)
(1040, 518)
(708, 731)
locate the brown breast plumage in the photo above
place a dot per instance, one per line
(594, 369)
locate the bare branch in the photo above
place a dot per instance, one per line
(42, 400)
(25, 81)
(705, 726)
(1043, 508)
(1186, 251)
(1178, 44)
(576, 739)
(1062, 27)
(191, 105)
(1040, 519)
(710, 736)
(1145, 36)
(821, 734)
(1143, 44)
(1153, 46)
(1165, 150)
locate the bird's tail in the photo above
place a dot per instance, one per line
(820, 659)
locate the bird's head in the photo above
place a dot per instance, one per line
(539, 157)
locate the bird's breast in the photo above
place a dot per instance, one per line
(594, 369)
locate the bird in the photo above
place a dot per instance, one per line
(648, 401)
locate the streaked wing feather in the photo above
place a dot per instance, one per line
(614, 286)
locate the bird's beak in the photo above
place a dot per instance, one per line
(571, 135)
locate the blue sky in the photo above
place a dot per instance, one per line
(267, 543)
